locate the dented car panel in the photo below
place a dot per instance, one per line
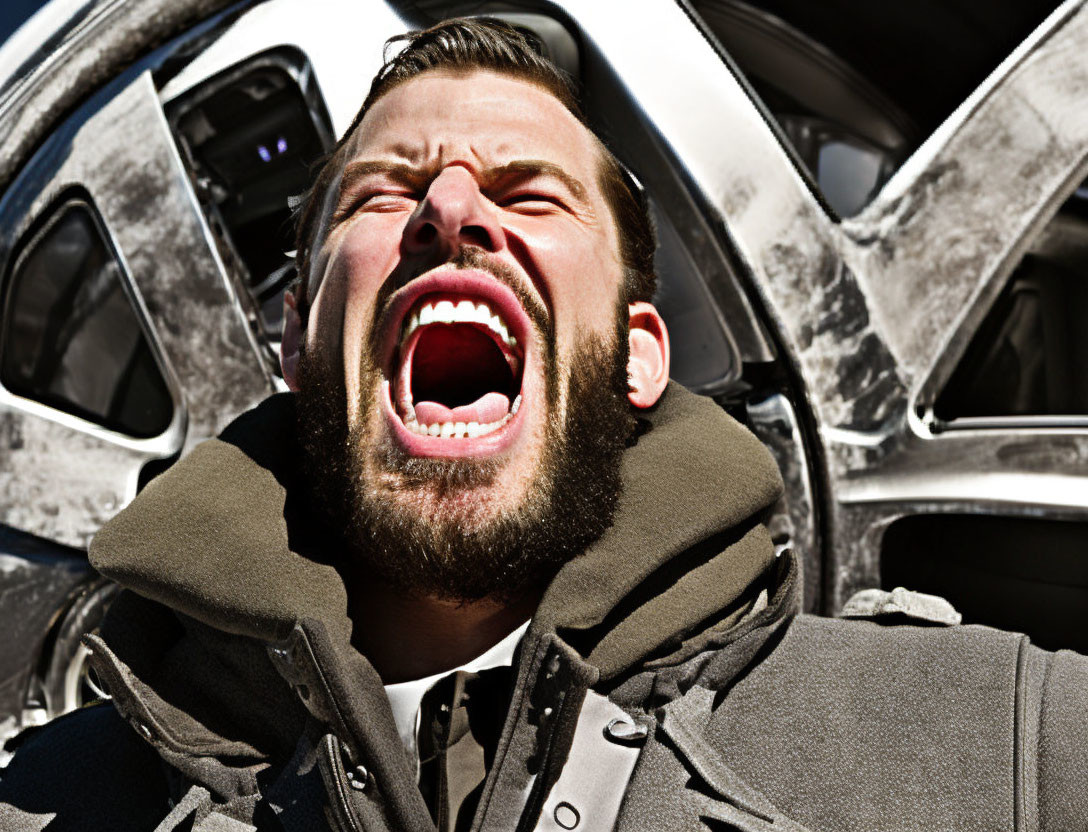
(837, 336)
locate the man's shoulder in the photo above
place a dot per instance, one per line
(950, 719)
(904, 638)
(85, 770)
(904, 648)
(960, 680)
(895, 666)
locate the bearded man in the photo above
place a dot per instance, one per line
(487, 569)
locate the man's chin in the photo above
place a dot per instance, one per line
(464, 494)
(469, 528)
(397, 471)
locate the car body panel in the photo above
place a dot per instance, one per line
(842, 333)
(124, 158)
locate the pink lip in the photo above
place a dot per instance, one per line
(495, 442)
(479, 286)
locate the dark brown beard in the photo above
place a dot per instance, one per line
(569, 505)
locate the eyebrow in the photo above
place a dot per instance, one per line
(417, 178)
(529, 168)
(398, 171)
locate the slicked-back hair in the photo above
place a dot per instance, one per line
(464, 45)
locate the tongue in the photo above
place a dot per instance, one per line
(490, 407)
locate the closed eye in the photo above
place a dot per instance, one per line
(532, 202)
(384, 201)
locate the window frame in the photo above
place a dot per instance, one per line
(76, 198)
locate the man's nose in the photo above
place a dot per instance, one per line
(452, 214)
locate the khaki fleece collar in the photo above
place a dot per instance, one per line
(215, 537)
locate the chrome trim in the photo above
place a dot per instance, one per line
(57, 19)
(793, 522)
(1020, 490)
(1028, 423)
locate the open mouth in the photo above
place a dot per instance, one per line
(458, 368)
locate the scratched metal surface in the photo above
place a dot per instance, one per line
(932, 253)
(81, 48)
(874, 313)
(60, 476)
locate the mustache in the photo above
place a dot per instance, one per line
(469, 257)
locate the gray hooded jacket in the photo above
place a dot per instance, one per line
(667, 681)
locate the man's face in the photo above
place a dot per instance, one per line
(468, 281)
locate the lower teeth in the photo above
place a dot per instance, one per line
(461, 430)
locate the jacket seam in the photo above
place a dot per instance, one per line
(1019, 740)
(312, 662)
(336, 772)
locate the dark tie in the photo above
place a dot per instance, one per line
(460, 722)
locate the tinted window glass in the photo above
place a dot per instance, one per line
(71, 336)
(703, 356)
(1030, 355)
(846, 132)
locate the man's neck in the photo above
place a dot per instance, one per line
(409, 638)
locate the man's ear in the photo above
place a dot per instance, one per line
(648, 364)
(292, 340)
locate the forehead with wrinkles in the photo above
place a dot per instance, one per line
(441, 112)
(481, 119)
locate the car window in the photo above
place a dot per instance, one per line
(1029, 357)
(856, 87)
(703, 356)
(1024, 574)
(71, 336)
(250, 137)
(847, 134)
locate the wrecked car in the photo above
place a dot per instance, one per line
(897, 317)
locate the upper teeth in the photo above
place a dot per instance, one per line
(465, 311)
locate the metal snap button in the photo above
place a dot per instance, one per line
(357, 777)
(626, 732)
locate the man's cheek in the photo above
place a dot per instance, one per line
(324, 326)
(593, 303)
(366, 252)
